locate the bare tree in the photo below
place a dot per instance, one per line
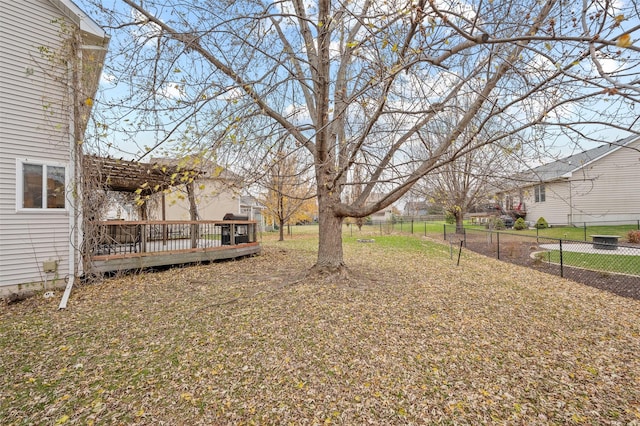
(469, 177)
(355, 82)
(460, 185)
(288, 186)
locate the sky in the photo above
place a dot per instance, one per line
(112, 88)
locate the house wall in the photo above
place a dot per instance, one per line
(213, 199)
(34, 125)
(382, 215)
(606, 190)
(555, 207)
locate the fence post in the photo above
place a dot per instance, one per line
(445, 231)
(585, 231)
(411, 226)
(561, 261)
(498, 243)
(425, 228)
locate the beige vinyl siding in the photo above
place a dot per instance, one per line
(42, 238)
(605, 190)
(213, 202)
(609, 188)
(34, 125)
(555, 207)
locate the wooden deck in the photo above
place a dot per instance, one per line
(127, 245)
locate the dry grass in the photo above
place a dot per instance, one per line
(409, 339)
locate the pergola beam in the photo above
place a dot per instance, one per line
(132, 176)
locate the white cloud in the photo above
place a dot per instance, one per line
(297, 114)
(171, 91)
(106, 78)
(457, 7)
(232, 93)
(609, 65)
(146, 30)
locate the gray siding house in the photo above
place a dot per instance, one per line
(598, 185)
(51, 55)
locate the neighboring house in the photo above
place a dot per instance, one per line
(598, 185)
(119, 207)
(117, 210)
(216, 192)
(416, 208)
(383, 215)
(251, 208)
(46, 92)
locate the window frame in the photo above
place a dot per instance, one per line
(20, 163)
(539, 193)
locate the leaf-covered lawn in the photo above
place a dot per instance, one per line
(410, 338)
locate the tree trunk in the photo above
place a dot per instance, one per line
(193, 214)
(459, 223)
(281, 229)
(330, 255)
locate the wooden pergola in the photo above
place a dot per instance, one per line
(121, 175)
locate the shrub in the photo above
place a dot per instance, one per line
(520, 224)
(633, 237)
(495, 223)
(542, 223)
(450, 218)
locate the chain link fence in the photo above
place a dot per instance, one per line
(612, 265)
(603, 262)
(419, 226)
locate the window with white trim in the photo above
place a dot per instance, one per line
(41, 185)
(540, 196)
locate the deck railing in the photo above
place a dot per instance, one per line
(118, 237)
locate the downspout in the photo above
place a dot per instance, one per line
(73, 238)
(570, 204)
(76, 129)
(74, 122)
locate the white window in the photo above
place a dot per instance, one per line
(539, 194)
(41, 185)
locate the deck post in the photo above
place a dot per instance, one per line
(165, 229)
